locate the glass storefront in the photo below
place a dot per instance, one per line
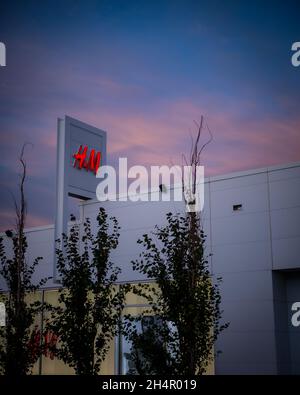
(117, 360)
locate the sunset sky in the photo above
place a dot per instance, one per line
(143, 71)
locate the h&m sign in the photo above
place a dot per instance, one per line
(81, 149)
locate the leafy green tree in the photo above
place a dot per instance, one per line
(17, 356)
(184, 302)
(90, 302)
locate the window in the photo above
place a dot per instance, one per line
(237, 207)
(144, 328)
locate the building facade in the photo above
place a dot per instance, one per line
(252, 223)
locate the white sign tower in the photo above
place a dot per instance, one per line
(81, 149)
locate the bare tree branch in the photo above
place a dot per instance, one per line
(195, 158)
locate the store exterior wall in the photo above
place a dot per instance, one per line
(48, 365)
(116, 361)
(252, 224)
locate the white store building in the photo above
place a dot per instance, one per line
(252, 223)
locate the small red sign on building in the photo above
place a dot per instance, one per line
(90, 163)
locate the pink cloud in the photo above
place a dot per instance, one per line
(239, 142)
(8, 220)
(160, 134)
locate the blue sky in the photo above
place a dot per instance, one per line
(143, 71)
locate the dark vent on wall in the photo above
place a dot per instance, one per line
(237, 207)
